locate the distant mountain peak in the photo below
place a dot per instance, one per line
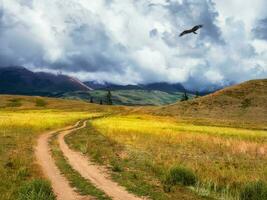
(19, 80)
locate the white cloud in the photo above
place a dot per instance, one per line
(133, 41)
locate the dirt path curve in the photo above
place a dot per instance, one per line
(60, 184)
(92, 172)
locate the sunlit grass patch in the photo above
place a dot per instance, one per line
(132, 168)
(151, 123)
(223, 158)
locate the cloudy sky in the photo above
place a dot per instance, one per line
(137, 41)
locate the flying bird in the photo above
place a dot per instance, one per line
(193, 30)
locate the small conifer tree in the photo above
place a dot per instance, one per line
(109, 98)
(184, 97)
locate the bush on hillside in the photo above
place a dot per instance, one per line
(40, 103)
(180, 175)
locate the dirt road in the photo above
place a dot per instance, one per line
(92, 172)
(60, 185)
(95, 174)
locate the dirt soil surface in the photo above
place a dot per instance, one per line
(60, 184)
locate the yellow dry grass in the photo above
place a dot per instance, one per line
(222, 156)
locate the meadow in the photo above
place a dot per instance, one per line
(22, 120)
(142, 150)
(160, 157)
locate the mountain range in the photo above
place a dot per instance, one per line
(161, 86)
(19, 80)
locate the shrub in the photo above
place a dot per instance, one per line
(40, 103)
(36, 190)
(14, 103)
(254, 191)
(246, 103)
(180, 175)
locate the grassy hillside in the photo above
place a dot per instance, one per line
(128, 97)
(244, 102)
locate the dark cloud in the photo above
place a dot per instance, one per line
(260, 31)
(189, 13)
(89, 49)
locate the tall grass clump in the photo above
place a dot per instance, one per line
(178, 175)
(254, 191)
(36, 190)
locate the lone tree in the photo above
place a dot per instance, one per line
(101, 102)
(197, 94)
(109, 98)
(91, 100)
(184, 97)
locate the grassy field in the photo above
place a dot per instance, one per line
(129, 97)
(141, 150)
(22, 119)
(213, 147)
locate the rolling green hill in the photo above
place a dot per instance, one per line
(128, 97)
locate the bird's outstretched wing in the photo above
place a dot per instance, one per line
(193, 30)
(185, 32)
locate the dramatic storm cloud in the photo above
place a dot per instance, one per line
(137, 41)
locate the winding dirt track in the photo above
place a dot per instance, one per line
(60, 185)
(95, 174)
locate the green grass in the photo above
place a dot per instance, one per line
(83, 186)
(37, 189)
(255, 191)
(129, 97)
